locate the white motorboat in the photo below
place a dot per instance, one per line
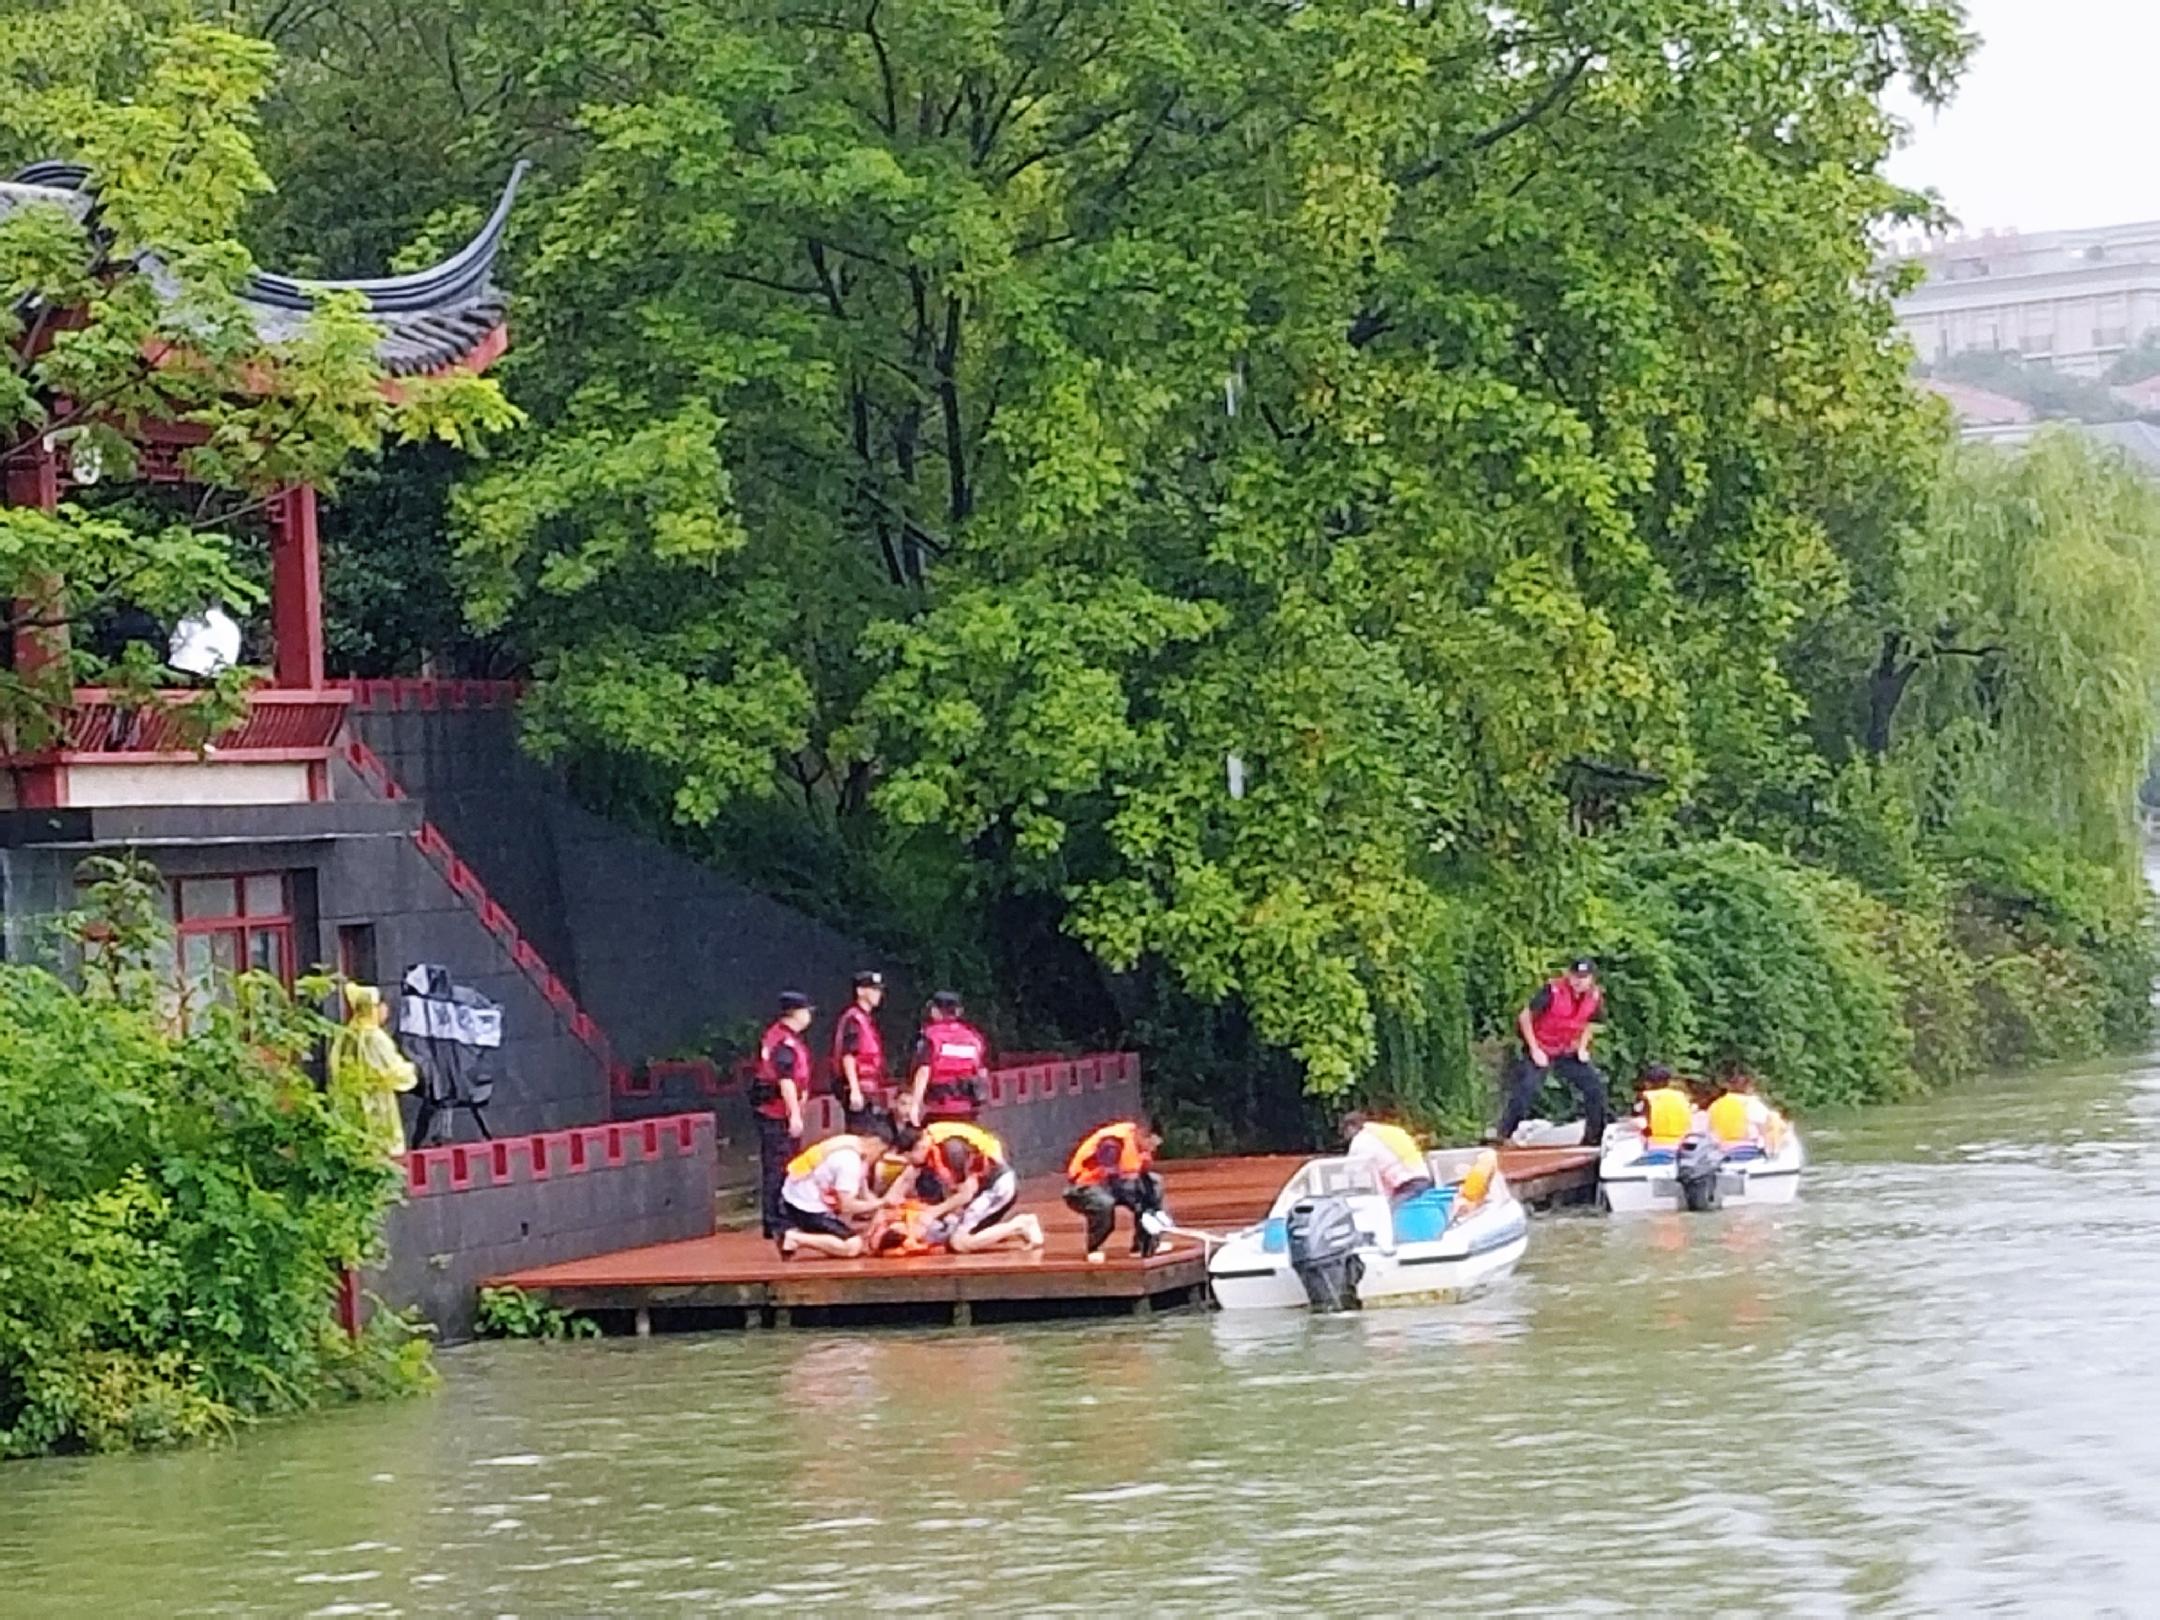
(1333, 1241)
(1635, 1175)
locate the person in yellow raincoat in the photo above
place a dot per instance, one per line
(367, 1071)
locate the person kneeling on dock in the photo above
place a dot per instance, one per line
(1390, 1153)
(974, 1187)
(825, 1193)
(1110, 1167)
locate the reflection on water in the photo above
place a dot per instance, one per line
(1921, 1390)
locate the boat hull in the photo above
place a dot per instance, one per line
(1633, 1183)
(1421, 1251)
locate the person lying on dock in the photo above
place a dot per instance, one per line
(1663, 1109)
(1390, 1153)
(1112, 1167)
(961, 1170)
(826, 1193)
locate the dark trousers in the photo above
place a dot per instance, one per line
(774, 1148)
(1525, 1080)
(1099, 1202)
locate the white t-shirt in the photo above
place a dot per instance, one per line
(839, 1173)
(1367, 1151)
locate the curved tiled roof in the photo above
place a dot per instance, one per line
(430, 319)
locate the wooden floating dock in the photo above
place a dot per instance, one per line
(738, 1278)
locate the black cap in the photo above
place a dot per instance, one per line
(793, 1001)
(870, 979)
(1582, 964)
(946, 1001)
(1657, 1074)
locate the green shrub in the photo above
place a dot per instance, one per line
(1768, 965)
(511, 1313)
(174, 1208)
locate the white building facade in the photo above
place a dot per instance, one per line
(2071, 299)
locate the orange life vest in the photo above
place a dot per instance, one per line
(1090, 1165)
(986, 1153)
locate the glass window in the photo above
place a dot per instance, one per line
(265, 895)
(266, 951)
(208, 897)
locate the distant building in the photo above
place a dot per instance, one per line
(2137, 442)
(2071, 299)
(1977, 407)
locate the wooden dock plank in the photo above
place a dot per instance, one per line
(738, 1270)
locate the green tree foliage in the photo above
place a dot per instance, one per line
(135, 313)
(923, 416)
(964, 426)
(2051, 392)
(173, 1207)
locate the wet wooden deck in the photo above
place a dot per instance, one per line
(738, 1278)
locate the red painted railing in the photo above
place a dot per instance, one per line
(1010, 1085)
(506, 1161)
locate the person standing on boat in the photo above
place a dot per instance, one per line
(858, 1056)
(1555, 1029)
(1390, 1153)
(776, 1098)
(1112, 1167)
(951, 1063)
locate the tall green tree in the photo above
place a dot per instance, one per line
(996, 416)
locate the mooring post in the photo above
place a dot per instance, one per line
(783, 1317)
(1143, 1306)
(963, 1313)
(752, 1317)
(644, 1321)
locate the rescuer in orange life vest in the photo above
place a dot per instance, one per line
(951, 1059)
(963, 1171)
(1111, 1167)
(1555, 1030)
(858, 1057)
(777, 1091)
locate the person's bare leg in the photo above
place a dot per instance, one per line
(1021, 1232)
(794, 1243)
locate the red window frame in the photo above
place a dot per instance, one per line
(241, 925)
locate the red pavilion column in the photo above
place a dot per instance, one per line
(33, 480)
(296, 624)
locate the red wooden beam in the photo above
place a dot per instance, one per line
(296, 589)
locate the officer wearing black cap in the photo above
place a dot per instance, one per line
(950, 1074)
(1555, 1030)
(858, 1057)
(776, 1098)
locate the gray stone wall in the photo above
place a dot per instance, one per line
(478, 1211)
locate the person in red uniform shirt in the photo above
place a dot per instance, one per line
(952, 1060)
(777, 1091)
(858, 1057)
(1555, 1030)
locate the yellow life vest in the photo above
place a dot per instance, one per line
(1400, 1143)
(1729, 1121)
(814, 1155)
(942, 1131)
(1668, 1115)
(1478, 1182)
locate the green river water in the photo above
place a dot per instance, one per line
(1928, 1388)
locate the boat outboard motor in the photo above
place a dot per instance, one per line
(1324, 1244)
(1695, 1167)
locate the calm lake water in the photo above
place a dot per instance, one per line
(1929, 1388)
